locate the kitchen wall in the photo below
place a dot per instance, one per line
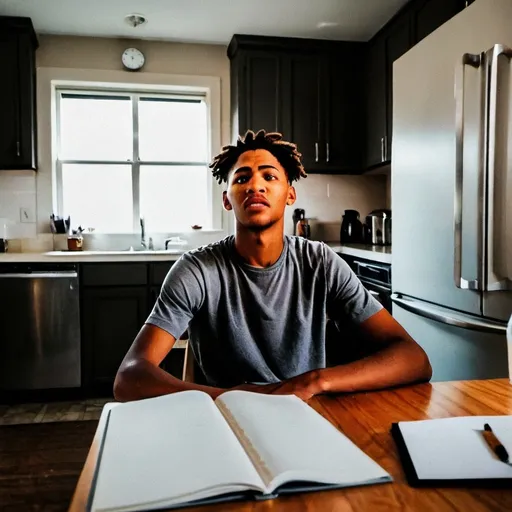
(323, 197)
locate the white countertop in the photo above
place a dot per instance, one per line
(89, 256)
(379, 253)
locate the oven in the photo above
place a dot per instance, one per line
(375, 276)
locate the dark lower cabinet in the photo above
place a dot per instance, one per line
(116, 300)
(112, 317)
(18, 44)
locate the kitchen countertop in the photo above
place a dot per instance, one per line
(379, 253)
(89, 256)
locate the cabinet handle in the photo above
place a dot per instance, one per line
(327, 153)
(316, 151)
(18, 151)
(385, 147)
(382, 149)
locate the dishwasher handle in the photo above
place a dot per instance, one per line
(40, 275)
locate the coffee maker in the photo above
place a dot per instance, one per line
(351, 231)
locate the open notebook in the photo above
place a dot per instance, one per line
(186, 448)
(452, 451)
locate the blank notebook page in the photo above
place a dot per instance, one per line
(291, 437)
(166, 447)
(454, 448)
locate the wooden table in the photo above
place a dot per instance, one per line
(366, 419)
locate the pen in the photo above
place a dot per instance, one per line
(494, 443)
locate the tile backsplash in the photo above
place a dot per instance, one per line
(325, 197)
(17, 192)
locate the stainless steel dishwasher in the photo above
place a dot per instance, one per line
(39, 326)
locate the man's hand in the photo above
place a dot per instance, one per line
(304, 386)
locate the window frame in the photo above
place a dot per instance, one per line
(135, 163)
(50, 78)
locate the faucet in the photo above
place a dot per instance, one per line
(174, 240)
(143, 232)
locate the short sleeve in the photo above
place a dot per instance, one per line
(346, 295)
(180, 298)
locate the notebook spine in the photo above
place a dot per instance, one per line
(251, 451)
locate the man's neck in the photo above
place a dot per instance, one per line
(260, 248)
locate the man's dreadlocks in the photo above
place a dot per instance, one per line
(285, 152)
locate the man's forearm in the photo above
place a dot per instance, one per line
(399, 363)
(142, 379)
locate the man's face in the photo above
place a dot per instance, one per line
(258, 190)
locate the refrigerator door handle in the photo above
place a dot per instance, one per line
(493, 280)
(475, 61)
(449, 317)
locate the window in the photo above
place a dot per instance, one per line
(124, 155)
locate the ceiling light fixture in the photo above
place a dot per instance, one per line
(327, 24)
(135, 20)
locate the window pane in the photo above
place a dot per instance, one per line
(95, 129)
(173, 131)
(98, 196)
(174, 198)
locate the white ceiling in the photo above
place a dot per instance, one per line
(208, 21)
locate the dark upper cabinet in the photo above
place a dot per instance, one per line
(413, 23)
(344, 104)
(308, 90)
(384, 49)
(302, 113)
(428, 15)
(18, 44)
(255, 94)
(376, 98)
(398, 42)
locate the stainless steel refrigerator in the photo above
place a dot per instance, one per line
(452, 192)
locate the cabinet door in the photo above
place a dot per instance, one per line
(10, 127)
(428, 15)
(17, 102)
(111, 319)
(27, 105)
(302, 105)
(259, 98)
(341, 111)
(376, 125)
(398, 42)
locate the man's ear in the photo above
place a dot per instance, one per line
(225, 201)
(292, 196)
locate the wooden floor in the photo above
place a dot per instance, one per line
(54, 411)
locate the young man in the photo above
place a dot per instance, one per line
(256, 304)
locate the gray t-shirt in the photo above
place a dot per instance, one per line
(250, 324)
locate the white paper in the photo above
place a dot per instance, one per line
(165, 450)
(454, 448)
(296, 443)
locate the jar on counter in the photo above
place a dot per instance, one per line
(75, 242)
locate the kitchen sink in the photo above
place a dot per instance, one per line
(122, 252)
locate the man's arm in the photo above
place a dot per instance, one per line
(398, 360)
(139, 375)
